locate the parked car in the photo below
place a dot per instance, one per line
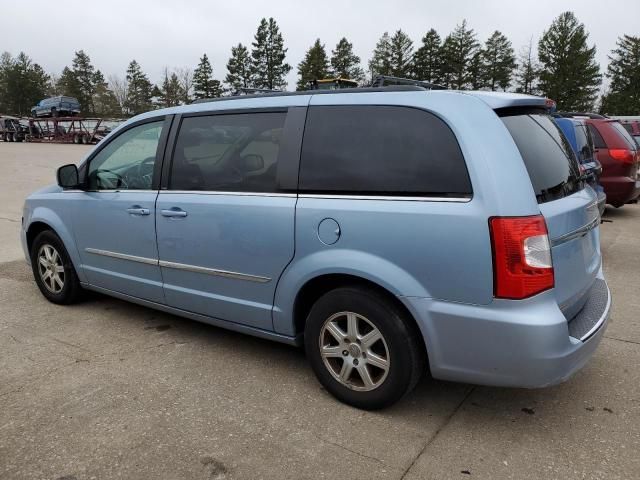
(619, 155)
(633, 127)
(581, 142)
(11, 130)
(398, 236)
(56, 107)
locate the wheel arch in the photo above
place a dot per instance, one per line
(45, 219)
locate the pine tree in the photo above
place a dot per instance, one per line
(528, 71)
(380, 63)
(570, 74)
(623, 97)
(427, 61)
(140, 90)
(84, 74)
(499, 62)
(22, 83)
(268, 68)
(458, 52)
(345, 63)
(314, 66)
(239, 68)
(204, 85)
(104, 100)
(170, 93)
(477, 71)
(401, 54)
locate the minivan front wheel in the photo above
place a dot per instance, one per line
(363, 348)
(53, 270)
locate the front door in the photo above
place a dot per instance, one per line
(225, 228)
(114, 219)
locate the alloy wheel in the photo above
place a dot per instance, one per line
(354, 351)
(50, 268)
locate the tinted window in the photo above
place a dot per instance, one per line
(234, 152)
(584, 144)
(549, 159)
(627, 136)
(628, 127)
(126, 162)
(598, 141)
(380, 150)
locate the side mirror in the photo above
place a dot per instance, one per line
(67, 176)
(252, 163)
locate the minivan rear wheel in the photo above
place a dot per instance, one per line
(53, 270)
(363, 348)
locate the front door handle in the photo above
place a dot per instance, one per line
(173, 212)
(138, 210)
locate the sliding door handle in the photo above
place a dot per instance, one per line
(173, 212)
(138, 210)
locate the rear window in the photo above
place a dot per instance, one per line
(627, 136)
(381, 150)
(547, 155)
(628, 127)
(584, 144)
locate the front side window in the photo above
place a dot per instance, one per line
(228, 152)
(127, 162)
(381, 150)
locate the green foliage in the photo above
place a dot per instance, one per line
(345, 63)
(315, 65)
(268, 68)
(427, 61)
(459, 70)
(22, 84)
(239, 68)
(380, 63)
(498, 61)
(105, 103)
(401, 54)
(623, 97)
(204, 85)
(570, 74)
(139, 92)
(170, 93)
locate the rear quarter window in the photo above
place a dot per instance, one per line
(381, 150)
(547, 155)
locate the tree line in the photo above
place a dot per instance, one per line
(561, 66)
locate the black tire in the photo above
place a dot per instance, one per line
(12, 137)
(54, 112)
(401, 341)
(71, 290)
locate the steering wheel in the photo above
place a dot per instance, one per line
(143, 175)
(118, 182)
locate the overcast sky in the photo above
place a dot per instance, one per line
(159, 33)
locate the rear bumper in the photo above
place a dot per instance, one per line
(620, 190)
(508, 343)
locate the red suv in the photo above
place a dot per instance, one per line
(619, 155)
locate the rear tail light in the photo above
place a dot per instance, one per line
(622, 155)
(522, 265)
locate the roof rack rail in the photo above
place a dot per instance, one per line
(382, 80)
(240, 92)
(581, 114)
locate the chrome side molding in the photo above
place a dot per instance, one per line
(214, 271)
(180, 266)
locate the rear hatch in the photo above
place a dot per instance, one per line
(569, 206)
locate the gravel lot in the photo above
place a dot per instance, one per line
(106, 390)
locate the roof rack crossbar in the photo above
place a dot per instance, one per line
(381, 80)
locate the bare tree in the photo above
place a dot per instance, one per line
(120, 89)
(185, 76)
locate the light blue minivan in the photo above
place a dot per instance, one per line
(388, 230)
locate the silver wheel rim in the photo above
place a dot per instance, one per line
(50, 268)
(354, 351)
